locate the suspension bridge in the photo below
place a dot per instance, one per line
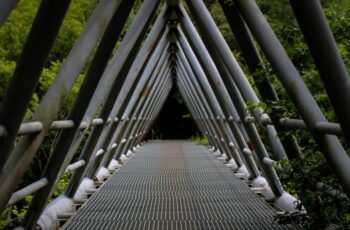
(121, 180)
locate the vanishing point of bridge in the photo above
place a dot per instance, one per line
(167, 184)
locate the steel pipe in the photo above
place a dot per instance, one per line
(226, 62)
(74, 166)
(34, 55)
(6, 6)
(296, 89)
(330, 65)
(26, 191)
(114, 77)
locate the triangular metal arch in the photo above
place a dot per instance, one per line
(132, 86)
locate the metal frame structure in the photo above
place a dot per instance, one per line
(128, 90)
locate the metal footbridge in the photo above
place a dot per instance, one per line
(174, 185)
(170, 184)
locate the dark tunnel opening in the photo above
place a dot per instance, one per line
(174, 120)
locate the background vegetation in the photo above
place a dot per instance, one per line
(175, 122)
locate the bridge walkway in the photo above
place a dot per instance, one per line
(174, 185)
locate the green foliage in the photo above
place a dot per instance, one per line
(14, 32)
(61, 185)
(322, 209)
(12, 38)
(6, 69)
(200, 140)
(72, 26)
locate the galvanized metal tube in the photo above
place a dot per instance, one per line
(58, 161)
(195, 88)
(137, 107)
(156, 106)
(14, 162)
(113, 77)
(145, 115)
(13, 106)
(206, 88)
(155, 62)
(329, 128)
(321, 127)
(161, 101)
(134, 76)
(204, 118)
(220, 93)
(208, 113)
(158, 109)
(118, 136)
(34, 56)
(223, 56)
(254, 62)
(144, 110)
(67, 124)
(296, 89)
(30, 128)
(99, 121)
(226, 104)
(153, 67)
(292, 123)
(222, 142)
(159, 70)
(26, 191)
(6, 6)
(206, 131)
(195, 114)
(206, 123)
(207, 93)
(210, 70)
(74, 166)
(330, 65)
(248, 49)
(164, 71)
(36, 126)
(210, 133)
(119, 105)
(124, 132)
(239, 104)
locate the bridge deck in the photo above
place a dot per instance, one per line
(174, 185)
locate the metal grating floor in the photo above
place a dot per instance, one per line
(174, 185)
